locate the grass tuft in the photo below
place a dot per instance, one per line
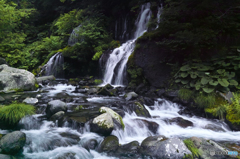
(185, 94)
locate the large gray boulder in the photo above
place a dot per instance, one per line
(31, 101)
(162, 148)
(45, 78)
(54, 107)
(130, 96)
(2, 61)
(109, 144)
(12, 143)
(102, 124)
(12, 79)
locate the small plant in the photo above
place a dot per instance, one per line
(80, 107)
(14, 112)
(205, 100)
(185, 94)
(97, 81)
(233, 110)
(190, 145)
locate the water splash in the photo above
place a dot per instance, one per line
(115, 71)
(54, 66)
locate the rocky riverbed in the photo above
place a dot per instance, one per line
(82, 120)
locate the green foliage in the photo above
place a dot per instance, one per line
(80, 107)
(190, 145)
(185, 94)
(233, 110)
(97, 81)
(13, 113)
(205, 100)
(217, 74)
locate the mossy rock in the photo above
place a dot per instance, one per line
(109, 144)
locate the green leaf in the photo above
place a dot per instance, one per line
(178, 80)
(198, 85)
(213, 83)
(204, 68)
(233, 82)
(220, 71)
(184, 74)
(223, 82)
(185, 68)
(192, 84)
(208, 90)
(184, 81)
(205, 80)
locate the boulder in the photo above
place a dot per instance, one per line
(130, 96)
(105, 92)
(113, 114)
(91, 144)
(92, 91)
(31, 101)
(180, 122)
(151, 125)
(108, 86)
(45, 78)
(160, 147)
(171, 94)
(216, 128)
(139, 109)
(2, 61)
(13, 142)
(109, 144)
(129, 150)
(160, 92)
(12, 79)
(208, 148)
(1, 99)
(102, 124)
(2, 156)
(57, 116)
(54, 107)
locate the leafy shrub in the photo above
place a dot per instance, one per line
(13, 113)
(233, 110)
(185, 94)
(205, 100)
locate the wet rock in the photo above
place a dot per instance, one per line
(103, 91)
(102, 124)
(172, 148)
(2, 156)
(160, 92)
(214, 128)
(109, 144)
(31, 101)
(181, 122)
(1, 99)
(79, 100)
(148, 101)
(171, 94)
(139, 88)
(61, 95)
(152, 126)
(16, 79)
(69, 135)
(207, 148)
(92, 91)
(113, 114)
(69, 155)
(57, 116)
(129, 150)
(108, 86)
(151, 92)
(91, 144)
(45, 78)
(131, 96)
(13, 142)
(2, 61)
(82, 83)
(233, 126)
(80, 91)
(54, 107)
(139, 109)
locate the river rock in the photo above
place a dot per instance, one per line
(108, 86)
(113, 114)
(102, 124)
(208, 148)
(130, 96)
(1, 99)
(171, 94)
(105, 92)
(54, 107)
(57, 116)
(139, 109)
(214, 128)
(160, 147)
(13, 142)
(109, 144)
(16, 79)
(2, 61)
(160, 92)
(151, 125)
(31, 101)
(91, 144)
(129, 150)
(181, 122)
(92, 91)
(45, 78)
(2, 156)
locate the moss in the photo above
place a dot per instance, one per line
(190, 145)
(36, 85)
(185, 94)
(97, 81)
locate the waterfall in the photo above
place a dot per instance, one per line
(159, 14)
(73, 39)
(54, 66)
(115, 70)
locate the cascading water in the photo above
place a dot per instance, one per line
(54, 66)
(159, 14)
(115, 70)
(74, 38)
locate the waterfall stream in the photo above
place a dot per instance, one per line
(115, 70)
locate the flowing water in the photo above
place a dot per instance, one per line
(115, 71)
(54, 66)
(74, 37)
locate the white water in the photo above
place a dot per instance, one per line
(159, 14)
(116, 65)
(74, 37)
(137, 130)
(55, 66)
